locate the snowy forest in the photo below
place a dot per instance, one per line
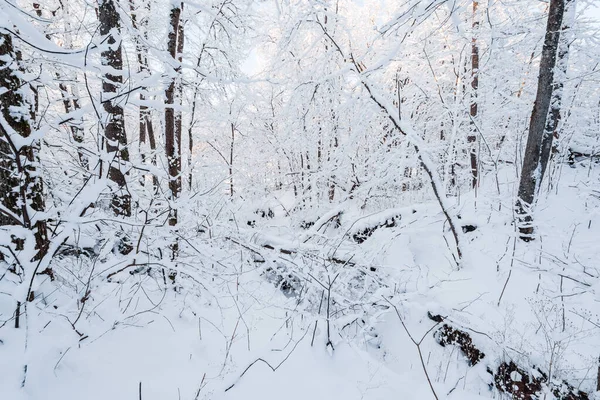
(299, 199)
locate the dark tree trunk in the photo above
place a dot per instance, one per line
(114, 129)
(21, 189)
(172, 117)
(598, 377)
(308, 188)
(472, 138)
(332, 178)
(302, 183)
(190, 154)
(71, 104)
(231, 147)
(532, 172)
(554, 117)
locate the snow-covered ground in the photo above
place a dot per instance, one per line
(238, 336)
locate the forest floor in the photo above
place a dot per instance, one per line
(241, 332)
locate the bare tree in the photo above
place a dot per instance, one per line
(536, 159)
(114, 129)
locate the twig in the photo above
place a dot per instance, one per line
(417, 344)
(201, 386)
(317, 321)
(60, 359)
(269, 365)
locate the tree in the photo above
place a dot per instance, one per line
(21, 187)
(562, 63)
(146, 129)
(114, 128)
(69, 96)
(472, 138)
(537, 155)
(173, 117)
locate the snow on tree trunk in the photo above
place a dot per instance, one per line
(114, 128)
(172, 116)
(533, 168)
(472, 137)
(21, 190)
(146, 129)
(562, 63)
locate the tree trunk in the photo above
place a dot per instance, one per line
(191, 153)
(114, 129)
(70, 98)
(472, 138)
(21, 189)
(532, 172)
(598, 377)
(332, 177)
(146, 129)
(231, 160)
(562, 63)
(173, 118)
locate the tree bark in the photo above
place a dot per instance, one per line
(146, 129)
(114, 129)
(533, 171)
(562, 63)
(231, 147)
(472, 137)
(598, 377)
(21, 188)
(173, 118)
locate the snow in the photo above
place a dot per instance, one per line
(194, 340)
(278, 291)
